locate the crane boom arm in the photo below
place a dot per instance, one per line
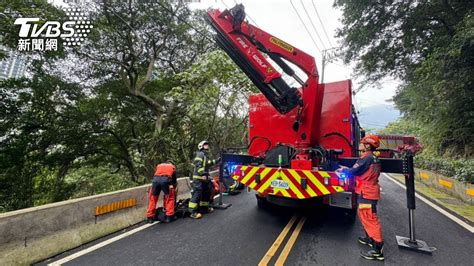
(246, 44)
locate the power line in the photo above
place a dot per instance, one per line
(311, 36)
(312, 24)
(322, 25)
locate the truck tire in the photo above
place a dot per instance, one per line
(262, 203)
(350, 215)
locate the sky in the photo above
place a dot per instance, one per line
(279, 18)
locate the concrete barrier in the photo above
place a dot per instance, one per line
(33, 234)
(461, 190)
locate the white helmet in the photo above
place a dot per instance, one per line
(202, 143)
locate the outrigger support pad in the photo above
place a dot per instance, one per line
(411, 243)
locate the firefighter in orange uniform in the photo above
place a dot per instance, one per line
(164, 180)
(367, 172)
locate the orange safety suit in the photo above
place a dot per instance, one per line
(367, 172)
(163, 179)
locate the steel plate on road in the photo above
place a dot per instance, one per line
(280, 184)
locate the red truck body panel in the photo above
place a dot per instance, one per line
(329, 125)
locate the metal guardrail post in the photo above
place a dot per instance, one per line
(411, 243)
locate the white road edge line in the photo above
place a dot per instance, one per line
(99, 245)
(436, 207)
(102, 244)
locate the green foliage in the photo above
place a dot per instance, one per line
(147, 91)
(441, 93)
(429, 45)
(13, 9)
(460, 169)
(92, 180)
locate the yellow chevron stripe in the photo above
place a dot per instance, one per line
(324, 174)
(262, 175)
(242, 168)
(292, 186)
(298, 178)
(269, 182)
(338, 188)
(320, 186)
(252, 171)
(283, 191)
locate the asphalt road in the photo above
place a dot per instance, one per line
(242, 235)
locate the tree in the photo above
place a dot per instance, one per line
(43, 133)
(143, 89)
(429, 46)
(139, 41)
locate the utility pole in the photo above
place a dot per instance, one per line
(328, 56)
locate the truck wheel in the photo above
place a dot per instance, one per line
(262, 203)
(350, 215)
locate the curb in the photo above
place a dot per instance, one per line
(436, 202)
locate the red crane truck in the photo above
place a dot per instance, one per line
(298, 136)
(295, 133)
(393, 146)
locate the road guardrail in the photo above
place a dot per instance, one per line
(34, 234)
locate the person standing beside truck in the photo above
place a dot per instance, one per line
(202, 183)
(367, 171)
(164, 180)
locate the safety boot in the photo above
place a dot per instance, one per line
(210, 209)
(376, 253)
(169, 219)
(195, 215)
(150, 220)
(367, 240)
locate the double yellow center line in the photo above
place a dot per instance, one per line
(289, 245)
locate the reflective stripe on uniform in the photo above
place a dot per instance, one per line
(198, 177)
(201, 170)
(192, 205)
(365, 206)
(203, 203)
(198, 159)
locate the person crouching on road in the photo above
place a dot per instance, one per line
(367, 172)
(164, 180)
(201, 184)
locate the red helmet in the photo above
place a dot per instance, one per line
(372, 140)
